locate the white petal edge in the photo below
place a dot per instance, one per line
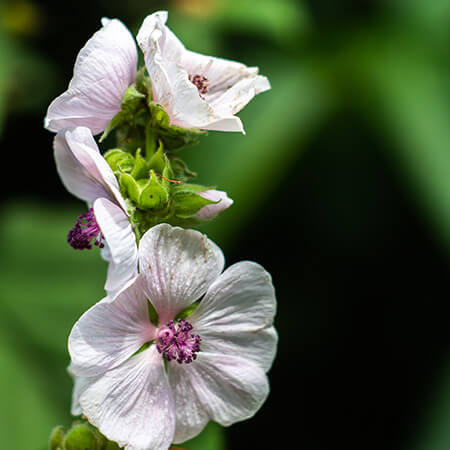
(121, 241)
(110, 332)
(133, 404)
(105, 67)
(210, 211)
(228, 389)
(236, 314)
(178, 266)
(83, 170)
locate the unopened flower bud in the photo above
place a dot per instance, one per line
(81, 437)
(57, 438)
(222, 202)
(154, 195)
(119, 160)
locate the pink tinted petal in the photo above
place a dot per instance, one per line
(242, 299)
(232, 124)
(74, 175)
(235, 317)
(221, 73)
(110, 332)
(121, 240)
(258, 347)
(191, 415)
(227, 388)
(178, 266)
(132, 404)
(79, 385)
(213, 210)
(104, 69)
(237, 96)
(83, 170)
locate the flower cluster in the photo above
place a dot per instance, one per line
(177, 341)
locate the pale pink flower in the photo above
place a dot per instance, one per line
(214, 209)
(197, 91)
(104, 69)
(146, 385)
(87, 175)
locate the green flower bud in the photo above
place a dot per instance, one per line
(154, 195)
(119, 161)
(140, 169)
(168, 172)
(81, 437)
(187, 200)
(143, 84)
(157, 161)
(129, 187)
(57, 438)
(131, 100)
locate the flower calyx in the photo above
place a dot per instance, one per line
(155, 188)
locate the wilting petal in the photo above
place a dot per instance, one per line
(228, 388)
(83, 170)
(179, 266)
(213, 210)
(104, 69)
(121, 241)
(110, 332)
(132, 404)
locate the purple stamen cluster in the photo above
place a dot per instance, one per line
(85, 230)
(200, 82)
(176, 342)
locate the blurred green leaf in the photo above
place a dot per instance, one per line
(406, 90)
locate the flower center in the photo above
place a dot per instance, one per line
(200, 82)
(176, 341)
(85, 230)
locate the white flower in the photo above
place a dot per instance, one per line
(87, 175)
(146, 385)
(197, 91)
(104, 69)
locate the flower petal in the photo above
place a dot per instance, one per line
(83, 170)
(179, 266)
(226, 388)
(237, 313)
(79, 385)
(104, 69)
(238, 95)
(132, 404)
(110, 332)
(210, 211)
(121, 240)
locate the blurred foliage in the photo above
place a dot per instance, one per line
(393, 71)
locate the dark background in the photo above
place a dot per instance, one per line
(341, 190)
